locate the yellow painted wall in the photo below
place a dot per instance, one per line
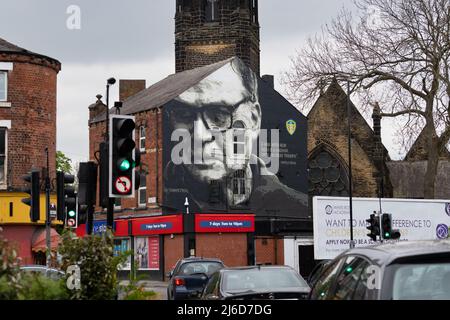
(20, 212)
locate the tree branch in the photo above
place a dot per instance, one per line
(400, 113)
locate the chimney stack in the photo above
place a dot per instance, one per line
(96, 108)
(378, 149)
(269, 79)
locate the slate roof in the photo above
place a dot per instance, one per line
(418, 151)
(165, 90)
(8, 47)
(408, 178)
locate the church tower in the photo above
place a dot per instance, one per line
(208, 31)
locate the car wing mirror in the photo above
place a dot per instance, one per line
(169, 274)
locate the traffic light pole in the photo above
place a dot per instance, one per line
(47, 213)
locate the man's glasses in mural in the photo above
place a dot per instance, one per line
(215, 117)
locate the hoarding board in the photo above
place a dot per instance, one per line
(416, 220)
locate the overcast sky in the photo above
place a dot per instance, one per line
(134, 39)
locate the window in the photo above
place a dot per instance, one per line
(253, 4)
(212, 10)
(3, 85)
(142, 193)
(327, 175)
(325, 281)
(121, 246)
(427, 280)
(3, 149)
(142, 138)
(212, 285)
(239, 138)
(239, 182)
(117, 203)
(352, 273)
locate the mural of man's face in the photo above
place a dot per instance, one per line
(224, 105)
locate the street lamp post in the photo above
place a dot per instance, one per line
(110, 207)
(47, 213)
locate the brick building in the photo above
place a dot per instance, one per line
(265, 209)
(27, 127)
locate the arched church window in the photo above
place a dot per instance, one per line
(212, 10)
(327, 175)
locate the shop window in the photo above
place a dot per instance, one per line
(212, 10)
(3, 85)
(121, 246)
(3, 154)
(147, 253)
(142, 138)
(142, 192)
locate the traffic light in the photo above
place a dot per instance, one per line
(72, 212)
(65, 198)
(122, 157)
(374, 226)
(33, 190)
(386, 227)
(87, 189)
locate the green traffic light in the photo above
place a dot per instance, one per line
(71, 213)
(387, 235)
(124, 165)
(349, 269)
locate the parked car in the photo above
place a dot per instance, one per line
(312, 278)
(51, 273)
(396, 271)
(188, 278)
(256, 283)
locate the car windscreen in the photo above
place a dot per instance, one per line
(261, 279)
(206, 267)
(426, 281)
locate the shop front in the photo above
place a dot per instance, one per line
(156, 243)
(144, 239)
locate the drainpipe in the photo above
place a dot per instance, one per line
(157, 155)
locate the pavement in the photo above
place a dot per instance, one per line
(159, 287)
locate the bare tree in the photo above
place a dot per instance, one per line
(397, 53)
